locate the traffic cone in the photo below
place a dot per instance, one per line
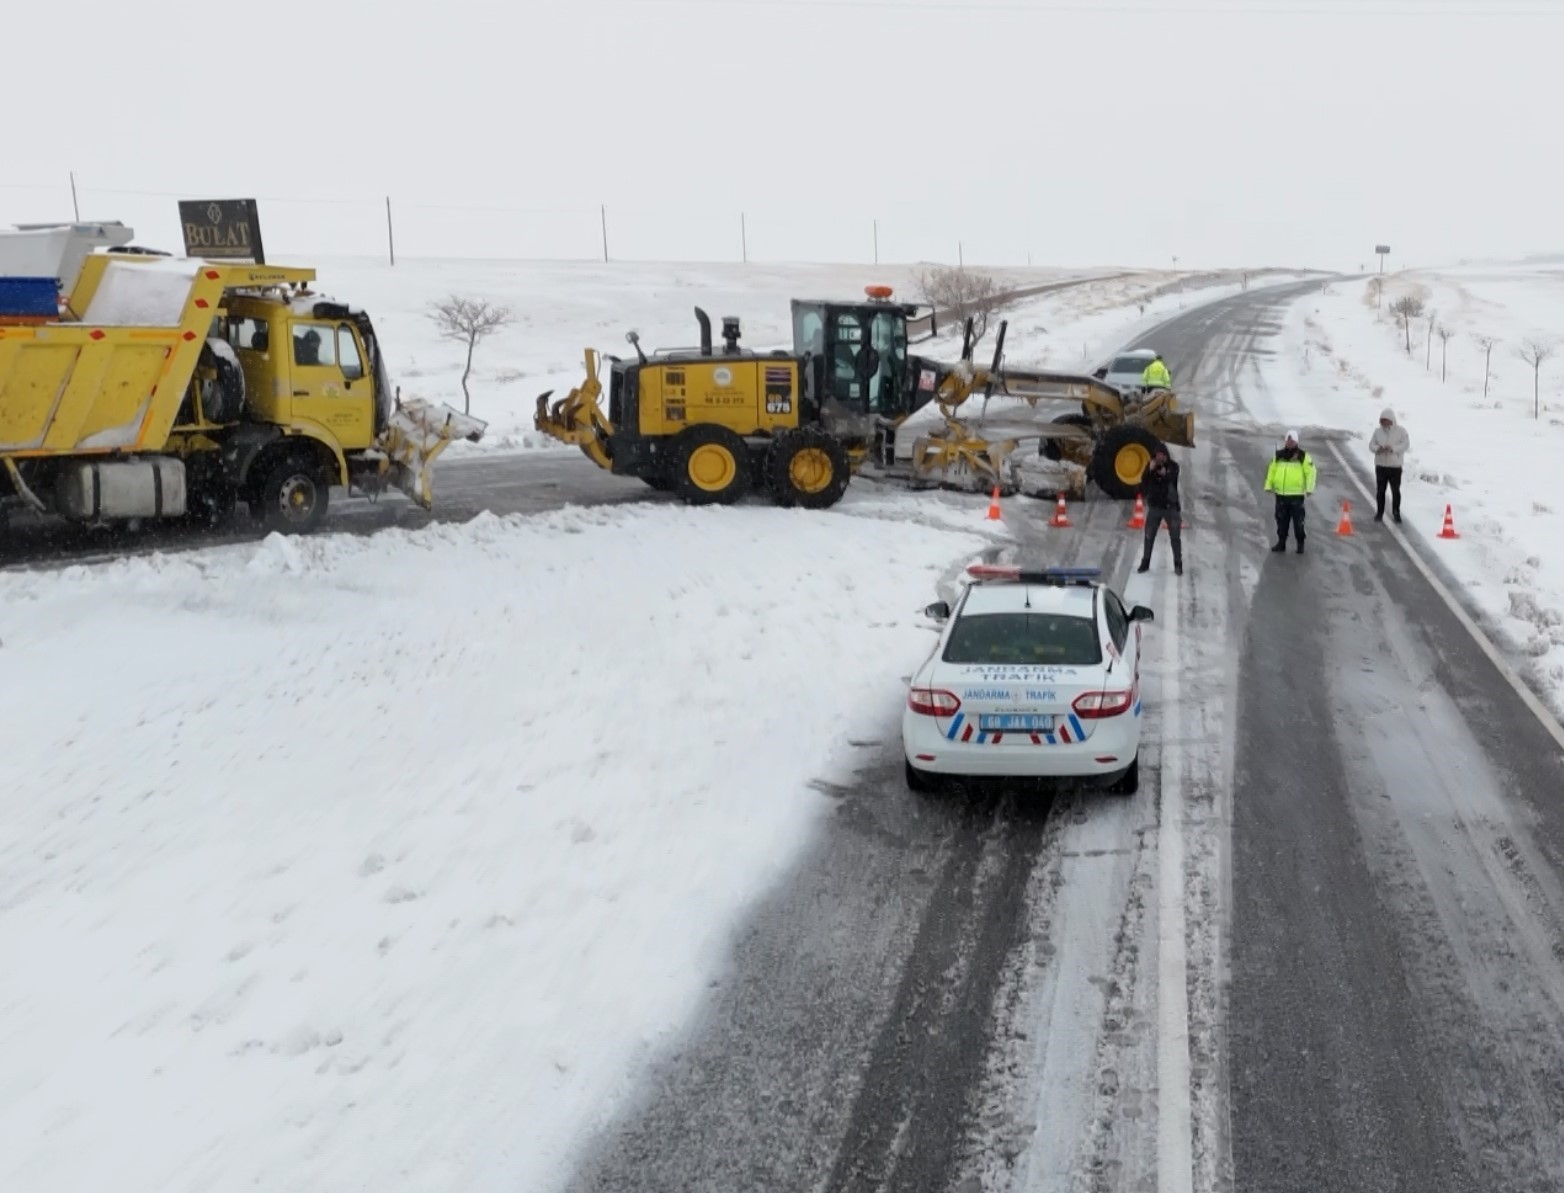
(993, 506)
(1061, 517)
(1447, 531)
(1344, 526)
(1138, 522)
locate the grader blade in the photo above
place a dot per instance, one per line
(959, 460)
(418, 432)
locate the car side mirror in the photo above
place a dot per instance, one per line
(939, 610)
(1141, 613)
(1101, 374)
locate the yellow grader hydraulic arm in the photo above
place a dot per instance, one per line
(577, 418)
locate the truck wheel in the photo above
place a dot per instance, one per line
(710, 466)
(292, 497)
(1120, 458)
(807, 468)
(223, 398)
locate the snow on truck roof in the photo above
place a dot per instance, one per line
(150, 292)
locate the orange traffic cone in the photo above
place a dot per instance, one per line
(1061, 517)
(1447, 531)
(1345, 525)
(993, 506)
(1138, 522)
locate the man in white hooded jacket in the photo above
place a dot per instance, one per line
(1389, 443)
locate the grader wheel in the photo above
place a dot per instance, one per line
(1120, 459)
(710, 465)
(807, 468)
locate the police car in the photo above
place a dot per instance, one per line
(1036, 674)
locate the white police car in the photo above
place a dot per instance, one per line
(1036, 674)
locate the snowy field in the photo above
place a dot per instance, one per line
(560, 309)
(351, 863)
(1342, 358)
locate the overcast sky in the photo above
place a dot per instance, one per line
(1076, 132)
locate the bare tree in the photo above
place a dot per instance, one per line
(1486, 343)
(468, 321)
(1428, 350)
(1536, 352)
(1377, 289)
(1444, 351)
(961, 293)
(1407, 308)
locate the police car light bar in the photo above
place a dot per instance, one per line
(990, 571)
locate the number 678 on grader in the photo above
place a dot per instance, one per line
(713, 424)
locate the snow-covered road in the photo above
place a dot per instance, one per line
(581, 895)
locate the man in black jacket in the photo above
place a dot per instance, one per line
(1159, 488)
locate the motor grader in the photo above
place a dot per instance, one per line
(713, 424)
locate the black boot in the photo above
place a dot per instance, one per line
(1178, 567)
(1300, 546)
(1281, 546)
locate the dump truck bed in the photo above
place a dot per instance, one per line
(113, 378)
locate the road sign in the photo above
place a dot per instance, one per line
(222, 229)
(1382, 249)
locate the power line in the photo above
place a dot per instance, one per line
(1292, 8)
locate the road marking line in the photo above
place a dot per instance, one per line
(1484, 643)
(1175, 1141)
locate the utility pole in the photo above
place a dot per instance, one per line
(75, 206)
(390, 235)
(876, 242)
(961, 257)
(744, 237)
(604, 211)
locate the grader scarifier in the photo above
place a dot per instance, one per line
(714, 424)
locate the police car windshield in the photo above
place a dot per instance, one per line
(1056, 639)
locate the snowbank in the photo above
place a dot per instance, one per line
(1342, 358)
(381, 863)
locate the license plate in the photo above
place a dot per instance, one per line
(1016, 722)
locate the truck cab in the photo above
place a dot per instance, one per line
(313, 365)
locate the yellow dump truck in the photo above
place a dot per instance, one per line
(143, 386)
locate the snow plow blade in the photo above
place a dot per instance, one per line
(418, 432)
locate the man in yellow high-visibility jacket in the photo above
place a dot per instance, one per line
(1156, 375)
(1291, 478)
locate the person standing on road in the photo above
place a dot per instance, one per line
(1156, 375)
(1159, 489)
(1389, 443)
(1291, 477)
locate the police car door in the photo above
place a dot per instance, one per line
(1124, 637)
